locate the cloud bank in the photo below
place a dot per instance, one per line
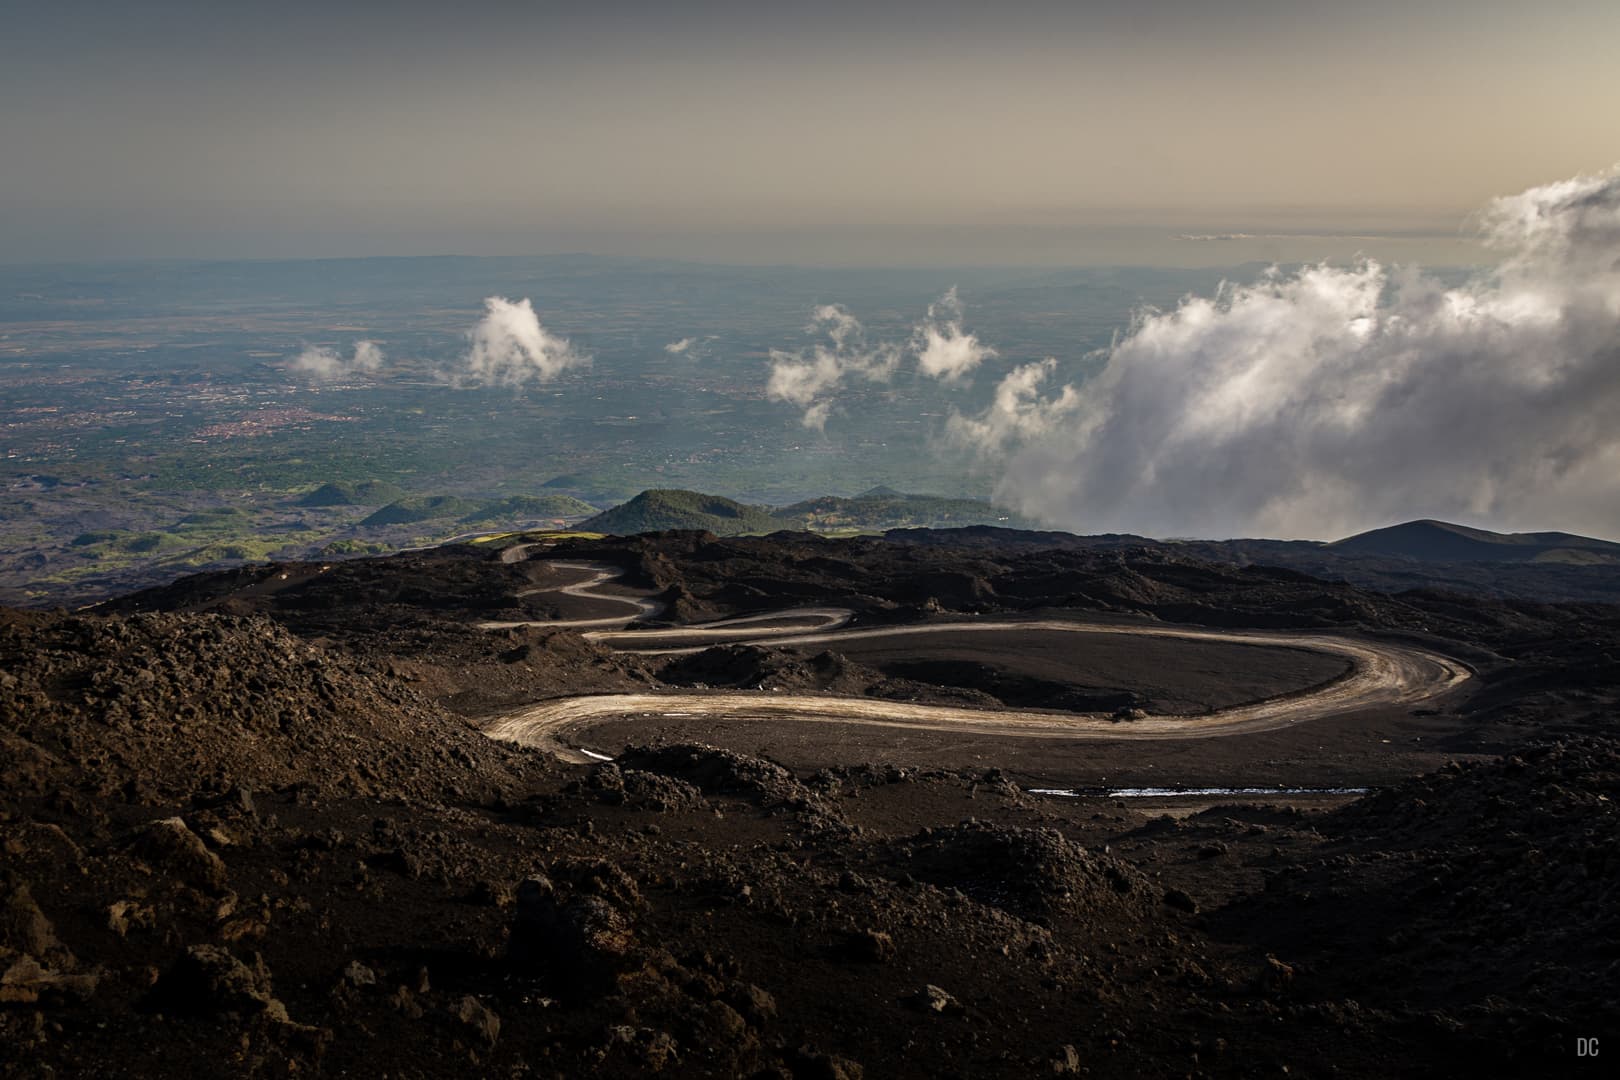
(1322, 402)
(325, 362)
(509, 347)
(809, 377)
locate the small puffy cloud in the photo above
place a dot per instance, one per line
(943, 349)
(325, 362)
(692, 348)
(805, 376)
(509, 347)
(319, 360)
(367, 356)
(808, 377)
(815, 417)
(799, 380)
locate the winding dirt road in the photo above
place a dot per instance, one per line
(600, 575)
(1380, 674)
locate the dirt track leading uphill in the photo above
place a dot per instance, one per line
(587, 589)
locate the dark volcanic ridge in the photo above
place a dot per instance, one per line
(880, 507)
(247, 826)
(1541, 565)
(1417, 555)
(1440, 541)
(1546, 566)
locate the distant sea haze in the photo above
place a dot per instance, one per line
(1435, 242)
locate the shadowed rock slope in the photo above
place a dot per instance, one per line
(250, 837)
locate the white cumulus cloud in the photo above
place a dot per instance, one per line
(809, 377)
(1334, 399)
(943, 349)
(509, 347)
(325, 362)
(806, 376)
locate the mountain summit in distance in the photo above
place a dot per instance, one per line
(1428, 540)
(659, 510)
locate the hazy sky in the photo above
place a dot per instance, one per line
(826, 132)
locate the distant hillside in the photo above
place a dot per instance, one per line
(658, 510)
(1440, 541)
(878, 508)
(529, 506)
(416, 508)
(601, 490)
(216, 517)
(410, 509)
(568, 480)
(885, 508)
(344, 493)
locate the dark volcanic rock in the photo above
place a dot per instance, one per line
(750, 667)
(1485, 886)
(1033, 873)
(478, 1019)
(25, 929)
(1521, 856)
(207, 979)
(164, 703)
(873, 946)
(808, 1063)
(716, 771)
(579, 944)
(173, 846)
